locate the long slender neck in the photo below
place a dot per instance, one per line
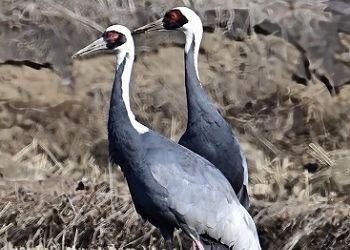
(193, 41)
(197, 100)
(123, 130)
(125, 62)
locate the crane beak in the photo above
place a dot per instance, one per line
(154, 26)
(99, 44)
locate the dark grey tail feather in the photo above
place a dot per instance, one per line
(211, 244)
(243, 197)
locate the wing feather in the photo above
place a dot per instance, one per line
(204, 199)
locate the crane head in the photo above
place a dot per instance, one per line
(181, 18)
(115, 38)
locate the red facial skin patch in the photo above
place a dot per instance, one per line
(173, 15)
(111, 37)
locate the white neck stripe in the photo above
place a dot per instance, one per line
(129, 60)
(193, 31)
(196, 39)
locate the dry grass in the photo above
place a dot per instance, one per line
(56, 186)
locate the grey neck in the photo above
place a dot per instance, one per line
(197, 100)
(124, 139)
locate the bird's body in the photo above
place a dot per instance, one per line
(171, 186)
(207, 132)
(188, 193)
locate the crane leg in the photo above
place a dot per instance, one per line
(167, 234)
(197, 245)
(169, 244)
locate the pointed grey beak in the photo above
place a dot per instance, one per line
(154, 26)
(99, 44)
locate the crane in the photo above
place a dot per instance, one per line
(207, 133)
(171, 186)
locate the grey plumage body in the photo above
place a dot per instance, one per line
(175, 188)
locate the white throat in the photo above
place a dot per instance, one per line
(191, 37)
(193, 30)
(129, 60)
